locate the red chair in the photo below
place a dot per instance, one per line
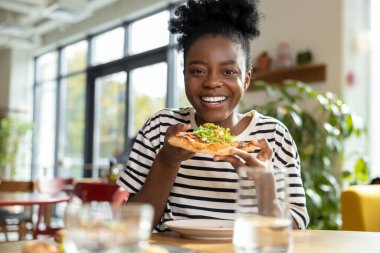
(96, 191)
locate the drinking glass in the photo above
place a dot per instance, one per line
(263, 222)
(102, 227)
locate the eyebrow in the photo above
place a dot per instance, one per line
(227, 62)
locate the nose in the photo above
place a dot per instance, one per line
(213, 81)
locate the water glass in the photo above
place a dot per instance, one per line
(102, 227)
(263, 222)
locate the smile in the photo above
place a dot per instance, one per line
(213, 99)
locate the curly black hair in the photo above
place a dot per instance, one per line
(235, 19)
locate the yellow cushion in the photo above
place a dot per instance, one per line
(361, 208)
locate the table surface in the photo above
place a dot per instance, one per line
(304, 241)
(30, 198)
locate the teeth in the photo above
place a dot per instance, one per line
(213, 99)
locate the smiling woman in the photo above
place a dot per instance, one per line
(215, 37)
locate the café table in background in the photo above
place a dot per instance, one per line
(31, 199)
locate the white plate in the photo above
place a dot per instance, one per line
(206, 229)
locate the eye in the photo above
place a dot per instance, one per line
(230, 72)
(196, 72)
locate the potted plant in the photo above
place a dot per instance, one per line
(12, 134)
(319, 124)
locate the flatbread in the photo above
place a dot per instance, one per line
(192, 143)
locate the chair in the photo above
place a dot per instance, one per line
(361, 208)
(96, 191)
(16, 218)
(51, 186)
(54, 185)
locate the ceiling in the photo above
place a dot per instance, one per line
(24, 22)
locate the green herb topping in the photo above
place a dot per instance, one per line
(211, 133)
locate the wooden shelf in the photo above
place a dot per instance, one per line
(305, 73)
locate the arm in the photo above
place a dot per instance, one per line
(162, 174)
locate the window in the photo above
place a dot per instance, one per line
(146, 34)
(89, 112)
(149, 93)
(180, 82)
(74, 57)
(108, 46)
(72, 126)
(45, 129)
(46, 67)
(109, 117)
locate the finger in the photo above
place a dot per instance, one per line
(248, 158)
(173, 130)
(266, 152)
(261, 143)
(236, 162)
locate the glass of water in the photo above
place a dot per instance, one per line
(102, 227)
(263, 222)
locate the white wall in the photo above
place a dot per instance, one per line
(305, 25)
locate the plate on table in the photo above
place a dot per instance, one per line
(206, 229)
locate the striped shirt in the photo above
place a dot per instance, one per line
(205, 188)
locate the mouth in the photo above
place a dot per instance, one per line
(213, 99)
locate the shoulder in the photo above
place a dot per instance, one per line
(264, 121)
(167, 117)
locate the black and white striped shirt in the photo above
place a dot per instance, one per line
(205, 188)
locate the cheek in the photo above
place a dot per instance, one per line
(189, 90)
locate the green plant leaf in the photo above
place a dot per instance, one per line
(315, 198)
(361, 170)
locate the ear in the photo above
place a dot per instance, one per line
(247, 80)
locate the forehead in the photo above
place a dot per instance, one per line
(215, 47)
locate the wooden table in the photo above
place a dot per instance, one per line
(30, 199)
(309, 241)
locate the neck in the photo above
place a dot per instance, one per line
(233, 122)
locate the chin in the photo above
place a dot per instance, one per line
(213, 117)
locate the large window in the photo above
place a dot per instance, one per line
(92, 96)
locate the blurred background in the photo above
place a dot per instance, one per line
(79, 78)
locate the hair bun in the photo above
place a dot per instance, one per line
(242, 14)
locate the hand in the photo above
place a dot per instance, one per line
(170, 153)
(241, 158)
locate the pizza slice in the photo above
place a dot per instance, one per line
(210, 139)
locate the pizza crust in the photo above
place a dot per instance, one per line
(39, 246)
(189, 142)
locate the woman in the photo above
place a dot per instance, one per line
(215, 37)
